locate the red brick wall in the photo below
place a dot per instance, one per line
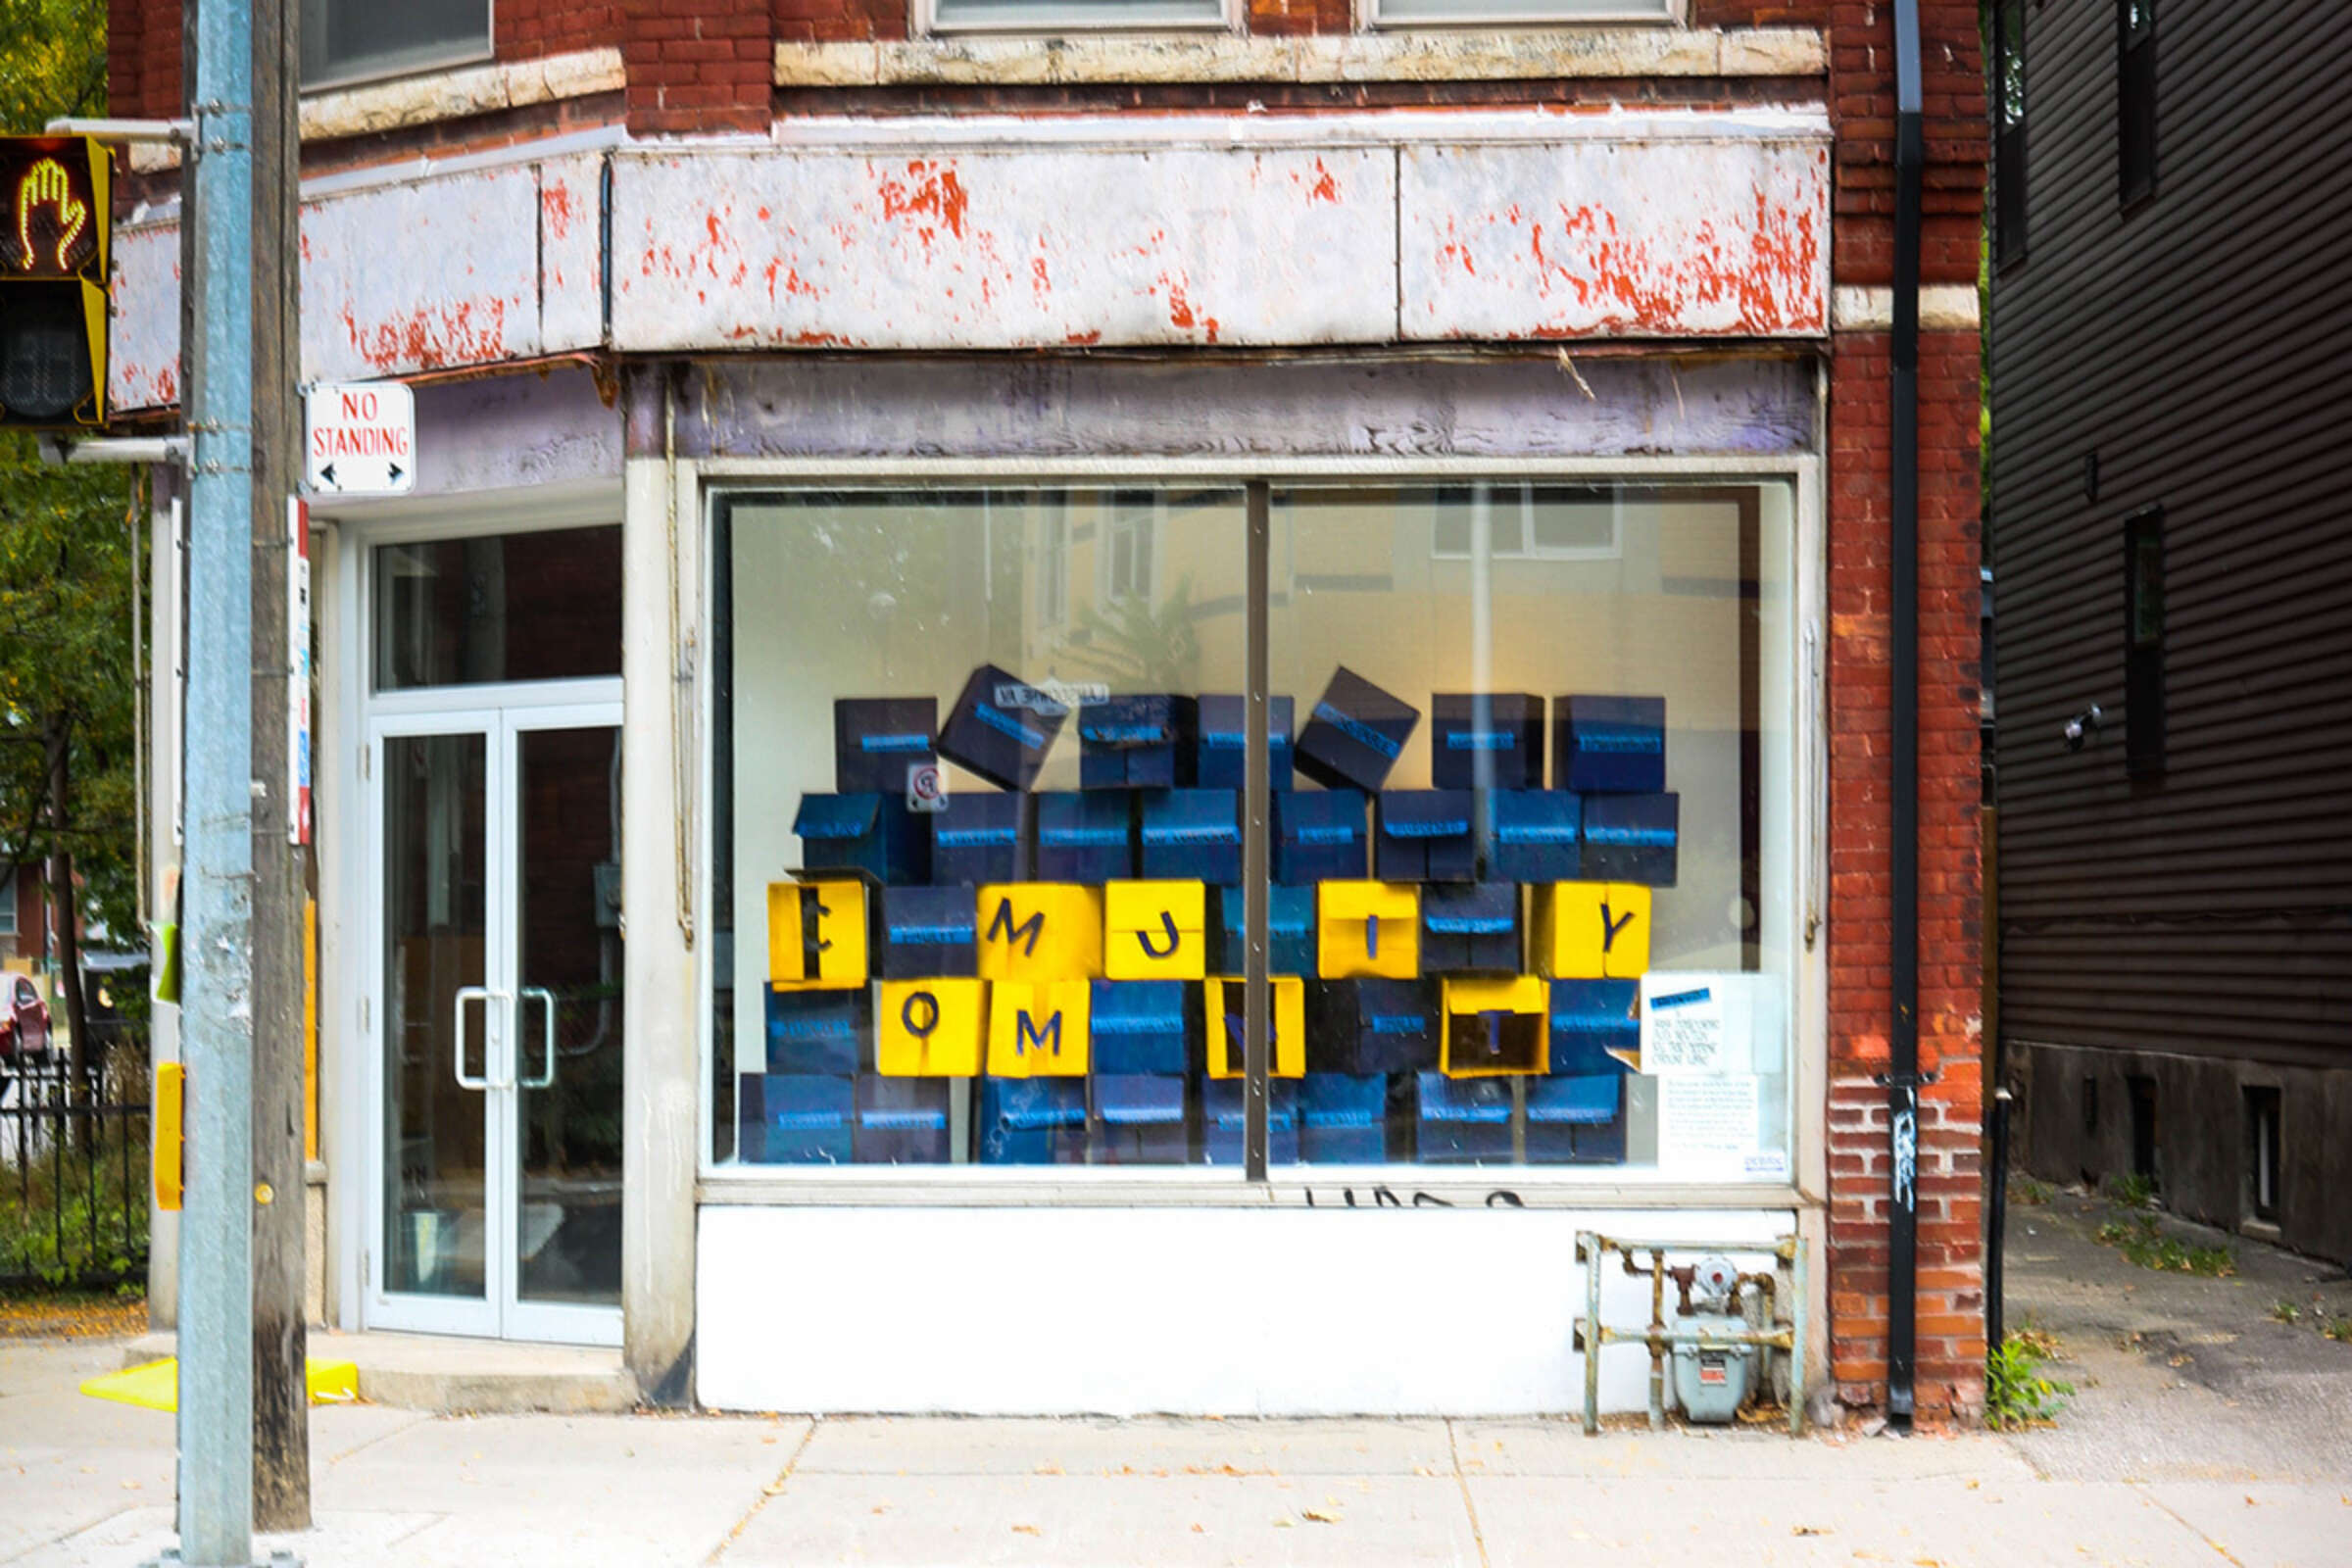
(528, 29)
(840, 20)
(1950, 1364)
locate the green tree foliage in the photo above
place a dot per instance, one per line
(69, 810)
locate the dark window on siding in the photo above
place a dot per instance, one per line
(346, 41)
(2135, 100)
(2009, 132)
(2144, 642)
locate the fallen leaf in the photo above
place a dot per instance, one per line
(1048, 1470)
(1320, 1517)
(1282, 1524)
(882, 1507)
(1027, 1529)
(774, 1489)
(1808, 1529)
(1974, 1484)
(1199, 1531)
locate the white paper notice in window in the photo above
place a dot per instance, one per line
(1709, 1129)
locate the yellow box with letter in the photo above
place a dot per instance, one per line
(1591, 931)
(1039, 1029)
(816, 934)
(1155, 930)
(931, 1028)
(1222, 1003)
(1368, 930)
(1495, 1028)
(1041, 931)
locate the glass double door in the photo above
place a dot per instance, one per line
(498, 1199)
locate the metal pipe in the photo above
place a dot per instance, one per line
(1996, 1225)
(216, 1233)
(1902, 1078)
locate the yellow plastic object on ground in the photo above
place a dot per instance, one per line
(155, 1385)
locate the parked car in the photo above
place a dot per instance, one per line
(25, 1040)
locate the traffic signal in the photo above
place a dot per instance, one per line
(54, 230)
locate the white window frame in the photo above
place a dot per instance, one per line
(1143, 565)
(467, 54)
(1530, 551)
(1558, 12)
(924, 21)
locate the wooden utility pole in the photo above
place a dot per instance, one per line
(281, 1458)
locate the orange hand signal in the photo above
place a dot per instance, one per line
(47, 182)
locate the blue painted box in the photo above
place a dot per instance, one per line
(1371, 1026)
(1590, 1019)
(817, 1031)
(1632, 838)
(1139, 1119)
(1343, 1118)
(1136, 742)
(1470, 928)
(1224, 1114)
(1531, 836)
(1000, 728)
(805, 1120)
(871, 833)
(1289, 930)
(1141, 1026)
(1354, 734)
(929, 932)
(902, 1121)
(1614, 744)
(1221, 754)
(1085, 836)
(1192, 836)
(1032, 1121)
(1319, 836)
(1462, 1120)
(1424, 836)
(1485, 740)
(979, 839)
(1576, 1120)
(877, 739)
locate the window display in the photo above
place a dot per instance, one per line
(980, 837)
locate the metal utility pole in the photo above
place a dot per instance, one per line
(216, 1232)
(281, 1467)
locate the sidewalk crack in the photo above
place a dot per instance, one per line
(1461, 1479)
(2174, 1516)
(774, 1489)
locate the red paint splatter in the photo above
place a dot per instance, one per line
(933, 192)
(819, 340)
(1325, 188)
(792, 282)
(470, 332)
(1081, 340)
(555, 206)
(1042, 285)
(1454, 253)
(1765, 272)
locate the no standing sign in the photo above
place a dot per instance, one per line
(360, 439)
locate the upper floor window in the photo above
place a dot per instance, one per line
(2009, 132)
(2144, 642)
(1409, 11)
(1047, 16)
(2135, 100)
(352, 41)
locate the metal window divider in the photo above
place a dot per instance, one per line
(1256, 1013)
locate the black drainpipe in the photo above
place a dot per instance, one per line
(1902, 1079)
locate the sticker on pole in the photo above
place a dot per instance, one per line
(360, 439)
(926, 789)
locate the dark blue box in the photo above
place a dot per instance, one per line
(1464, 1119)
(1354, 735)
(1192, 836)
(1344, 1118)
(1576, 1120)
(1222, 752)
(1032, 1121)
(1085, 836)
(1614, 744)
(1424, 836)
(877, 739)
(1369, 1026)
(1139, 1121)
(1000, 728)
(929, 932)
(978, 839)
(1224, 1112)
(1470, 928)
(1504, 728)
(817, 1031)
(1136, 742)
(1140, 1026)
(751, 1119)
(1632, 838)
(1319, 836)
(902, 1121)
(1289, 930)
(805, 1119)
(1531, 834)
(1590, 1019)
(873, 833)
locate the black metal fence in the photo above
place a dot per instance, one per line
(74, 1166)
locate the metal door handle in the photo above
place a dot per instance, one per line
(467, 994)
(547, 1033)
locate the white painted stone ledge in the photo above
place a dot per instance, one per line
(1942, 307)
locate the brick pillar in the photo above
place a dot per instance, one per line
(697, 64)
(1950, 1302)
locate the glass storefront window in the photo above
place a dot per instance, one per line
(1532, 837)
(490, 607)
